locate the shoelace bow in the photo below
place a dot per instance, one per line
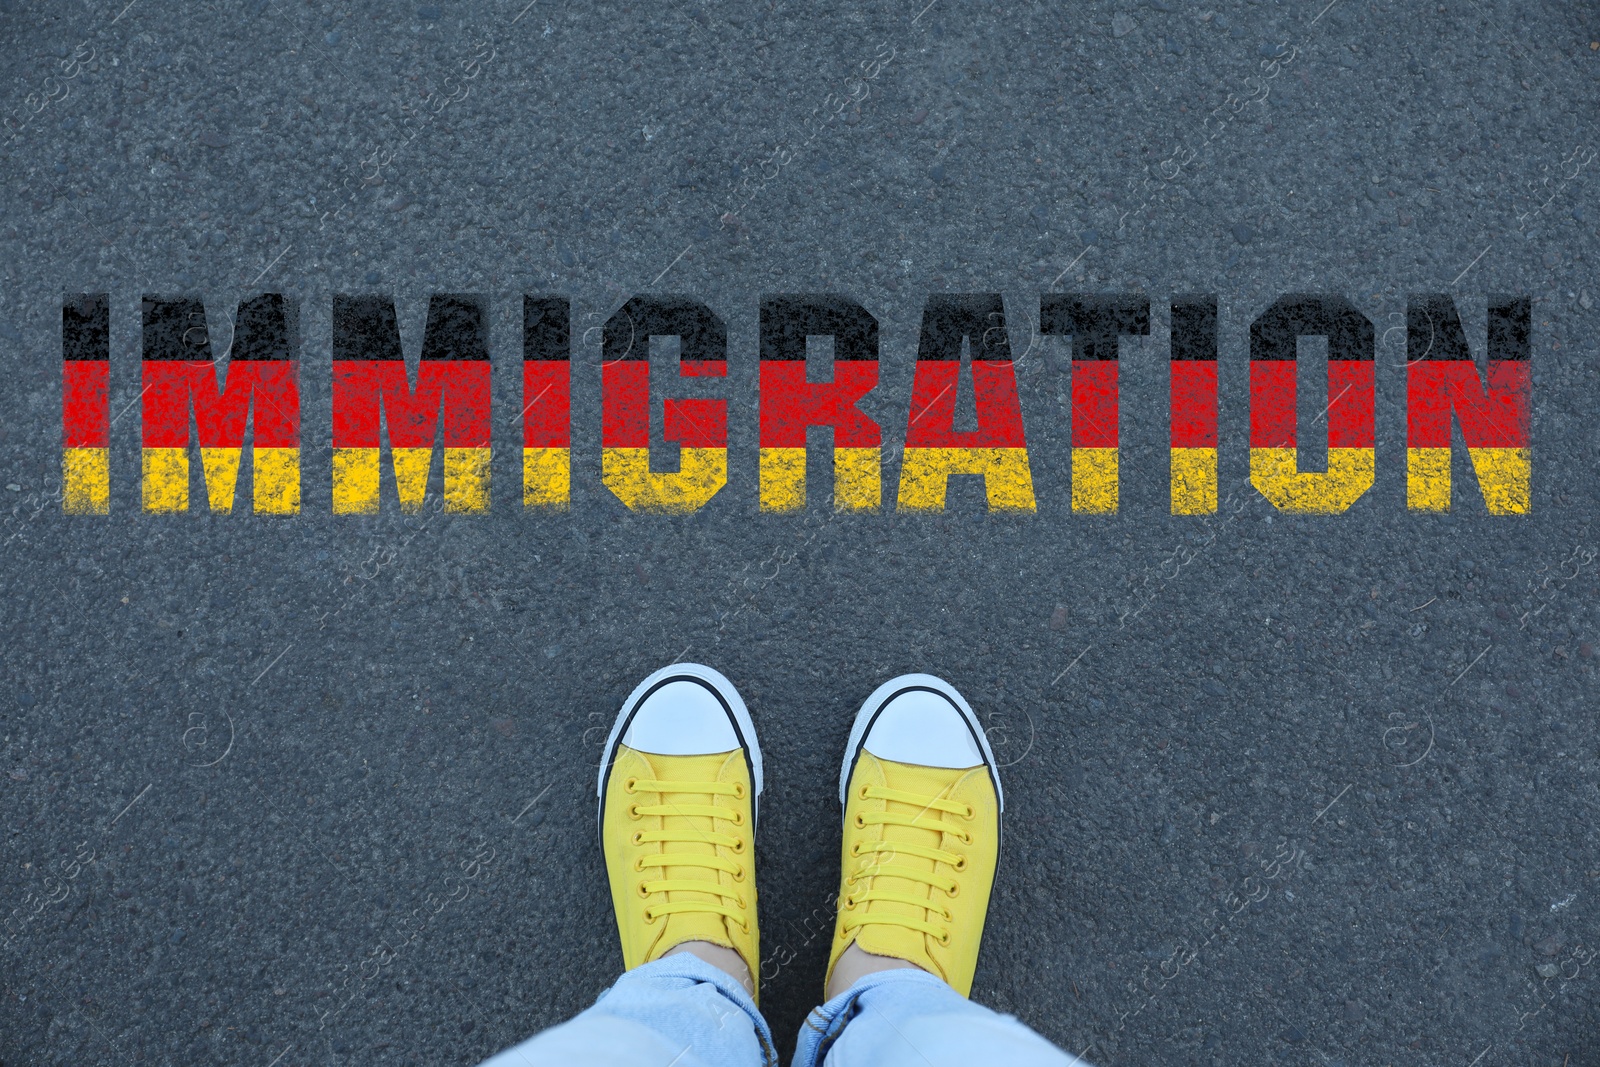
(871, 870)
(689, 834)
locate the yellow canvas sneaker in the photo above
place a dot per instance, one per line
(679, 784)
(922, 807)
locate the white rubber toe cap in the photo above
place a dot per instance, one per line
(682, 718)
(922, 727)
(685, 709)
(919, 719)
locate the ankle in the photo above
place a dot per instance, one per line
(855, 964)
(724, 959)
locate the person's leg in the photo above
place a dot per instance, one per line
(909, 1018)
(678, 1010)
(922, 803)
(679, 782)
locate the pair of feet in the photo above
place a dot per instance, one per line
(680, 784)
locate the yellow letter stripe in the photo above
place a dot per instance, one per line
(701, 473)
(857, 479)
(86, 481)
(275, 472)
(925, 475)
(546, 477)
(1194, 481)
(1276, 475)
(1094, 481)
(1504, 477)
(356, 474)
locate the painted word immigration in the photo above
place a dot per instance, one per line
(192, 405)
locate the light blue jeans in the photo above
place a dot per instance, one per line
(682, 1012)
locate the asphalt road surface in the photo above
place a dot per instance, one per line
(1283, 788)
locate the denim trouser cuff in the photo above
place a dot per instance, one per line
(824, 1025)
(687, 966)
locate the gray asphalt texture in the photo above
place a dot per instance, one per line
(320, 790)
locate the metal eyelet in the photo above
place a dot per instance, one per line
(627, 787)
(862, 792)
(855, 849)
(638, 865)
(738, 847)
(643, 892)
(741, 903)
(849, 903)
(954, 891)
(947, 916)
(633, 812)
(971, 813)
(738, 876)
(738, 790)
(944, 942)
(738, 818)
(861, 823)
(638, 837)
(960, 864)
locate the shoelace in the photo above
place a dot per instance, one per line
(689, 834)
(871, 869)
